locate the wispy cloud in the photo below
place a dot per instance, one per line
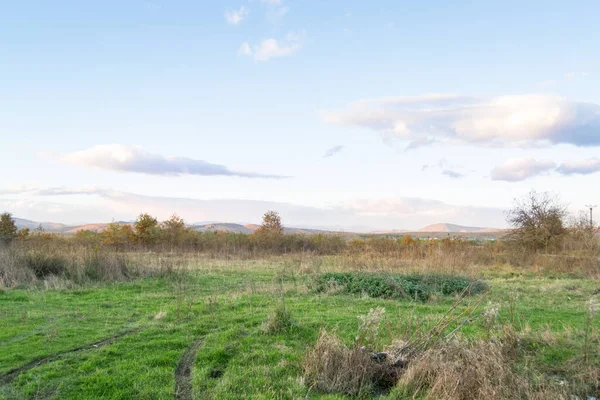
(276, 14)
(446, 168)
(273, 48)
(422, 142)
(519, 169)
(121, 158)
(275, 11)
(452, 174)
(583, 167)
(332, 151)
(234, 17)
(505, 121)
(576, 74)
(548, 83)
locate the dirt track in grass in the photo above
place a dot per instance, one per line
(183, 372)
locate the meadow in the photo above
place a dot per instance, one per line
(454, 321)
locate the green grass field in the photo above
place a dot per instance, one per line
(199, 334)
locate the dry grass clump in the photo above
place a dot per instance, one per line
(455, 370)
(439, 364)
(462, 371)
(332, 367)
(25, 266)
(12, 272)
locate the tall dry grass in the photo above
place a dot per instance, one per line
(79, 265)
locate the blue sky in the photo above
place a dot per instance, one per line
(437, 112)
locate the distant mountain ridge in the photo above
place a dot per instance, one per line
(47, 226)
(55, 227)
(452, 228)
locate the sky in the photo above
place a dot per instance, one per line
(347, 115)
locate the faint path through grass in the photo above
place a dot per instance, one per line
(183, 372)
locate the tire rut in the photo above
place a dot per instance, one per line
(183, 372)
(11, 375)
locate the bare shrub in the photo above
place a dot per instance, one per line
(463, 371)
(538, 220)
(332, 367)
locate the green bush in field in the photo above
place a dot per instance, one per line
(393, 286)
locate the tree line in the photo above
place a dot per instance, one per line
(539, 221)
(174, 234)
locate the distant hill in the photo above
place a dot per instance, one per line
(47, 226)
(249, 228)
(452, 228)
(54, 227)
(224, 227)
(87, 227)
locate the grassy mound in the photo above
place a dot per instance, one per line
(395, 286)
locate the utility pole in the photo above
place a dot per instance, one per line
(591, 207)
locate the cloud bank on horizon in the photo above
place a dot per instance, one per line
(362, 214)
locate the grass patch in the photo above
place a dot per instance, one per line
(279, 320)
(395, 286)
(226, 302)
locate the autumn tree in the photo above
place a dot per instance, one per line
(538, 221)
(271, 224)
(174, 229)
(118, 235)
(8, 228)
(270, 232)
(146, 229)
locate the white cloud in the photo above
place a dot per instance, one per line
(121, 158)
(234, 17)
(273, 48)
(505, 121)
(583, 167)
(520, 169)
(332, 151)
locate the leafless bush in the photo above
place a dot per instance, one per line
(332, 367)
(465, 371)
